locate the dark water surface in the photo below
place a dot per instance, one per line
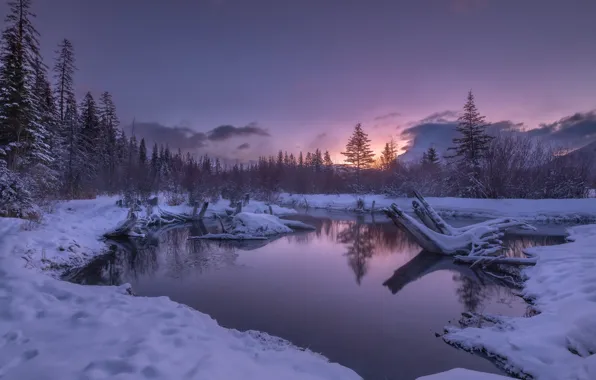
(356, 290)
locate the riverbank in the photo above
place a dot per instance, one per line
(560, 342)
(74, 331)
(70, 331)
(535, 210)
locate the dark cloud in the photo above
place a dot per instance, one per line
(438, 130)
(440, 117)
(243, 146)
(176, 137)
(573, 131)
(225, 132)
(390, 115)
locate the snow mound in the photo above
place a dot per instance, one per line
(463, 374)
(246, 223)
(69, 331)
(560, 342)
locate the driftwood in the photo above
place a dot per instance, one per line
(477, 242)
(135, 226)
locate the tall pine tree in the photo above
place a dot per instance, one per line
(358, 152)
(470, 147)
(91, 137)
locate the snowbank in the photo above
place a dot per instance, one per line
(247, 223)
(67, 331)
(547, 210)
(560, 342)
(463, 374)
(70, 236)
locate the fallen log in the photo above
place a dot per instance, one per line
(482, 239)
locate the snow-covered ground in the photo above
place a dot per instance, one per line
(70, 236)
(560, 342)
(547, 210)
(51, 329)
(463, 374)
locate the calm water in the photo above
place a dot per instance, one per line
(356, 290)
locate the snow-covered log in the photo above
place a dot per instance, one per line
(138, 227)
(481, 239)
(125, 227)
(227, 236)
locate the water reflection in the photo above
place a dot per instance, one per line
(359, 292)
(174, 255)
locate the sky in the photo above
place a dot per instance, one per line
(299, 74)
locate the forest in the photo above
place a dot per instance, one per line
(55, 147)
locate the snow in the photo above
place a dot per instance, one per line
(70, 236)
(68, 331)
(72, 331)
(560, 342)
(246, 223)
(463, 374)
(536, 210)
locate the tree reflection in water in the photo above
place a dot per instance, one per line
(363, 240)
(171, 253)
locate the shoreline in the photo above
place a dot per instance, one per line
(70, 237)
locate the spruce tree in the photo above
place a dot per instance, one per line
(21, 134)
(470, 147)
(358, 152)
(108, 123)
(389, 155)
(432, 157)
(64, 69)
(92, 142)
(327, 161)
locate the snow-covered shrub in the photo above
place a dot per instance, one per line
(15, 198)
(174, 198)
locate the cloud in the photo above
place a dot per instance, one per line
(176, 137)
(438, 130)
(440, 117)
(243, 146)
(390, 115)
(225, 132)
(574, 131)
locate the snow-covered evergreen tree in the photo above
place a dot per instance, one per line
(64, 69)
(91, 138)
(22, 138)
(108, 123)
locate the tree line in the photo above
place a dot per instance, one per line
(54, 146)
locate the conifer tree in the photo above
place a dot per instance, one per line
(21, 134)
(64, 69)
(358, 152)
(432, 157)
(108, 124)
(91, 140)
(389, 155)
(470, 147)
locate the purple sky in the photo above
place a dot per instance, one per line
(308, 70)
